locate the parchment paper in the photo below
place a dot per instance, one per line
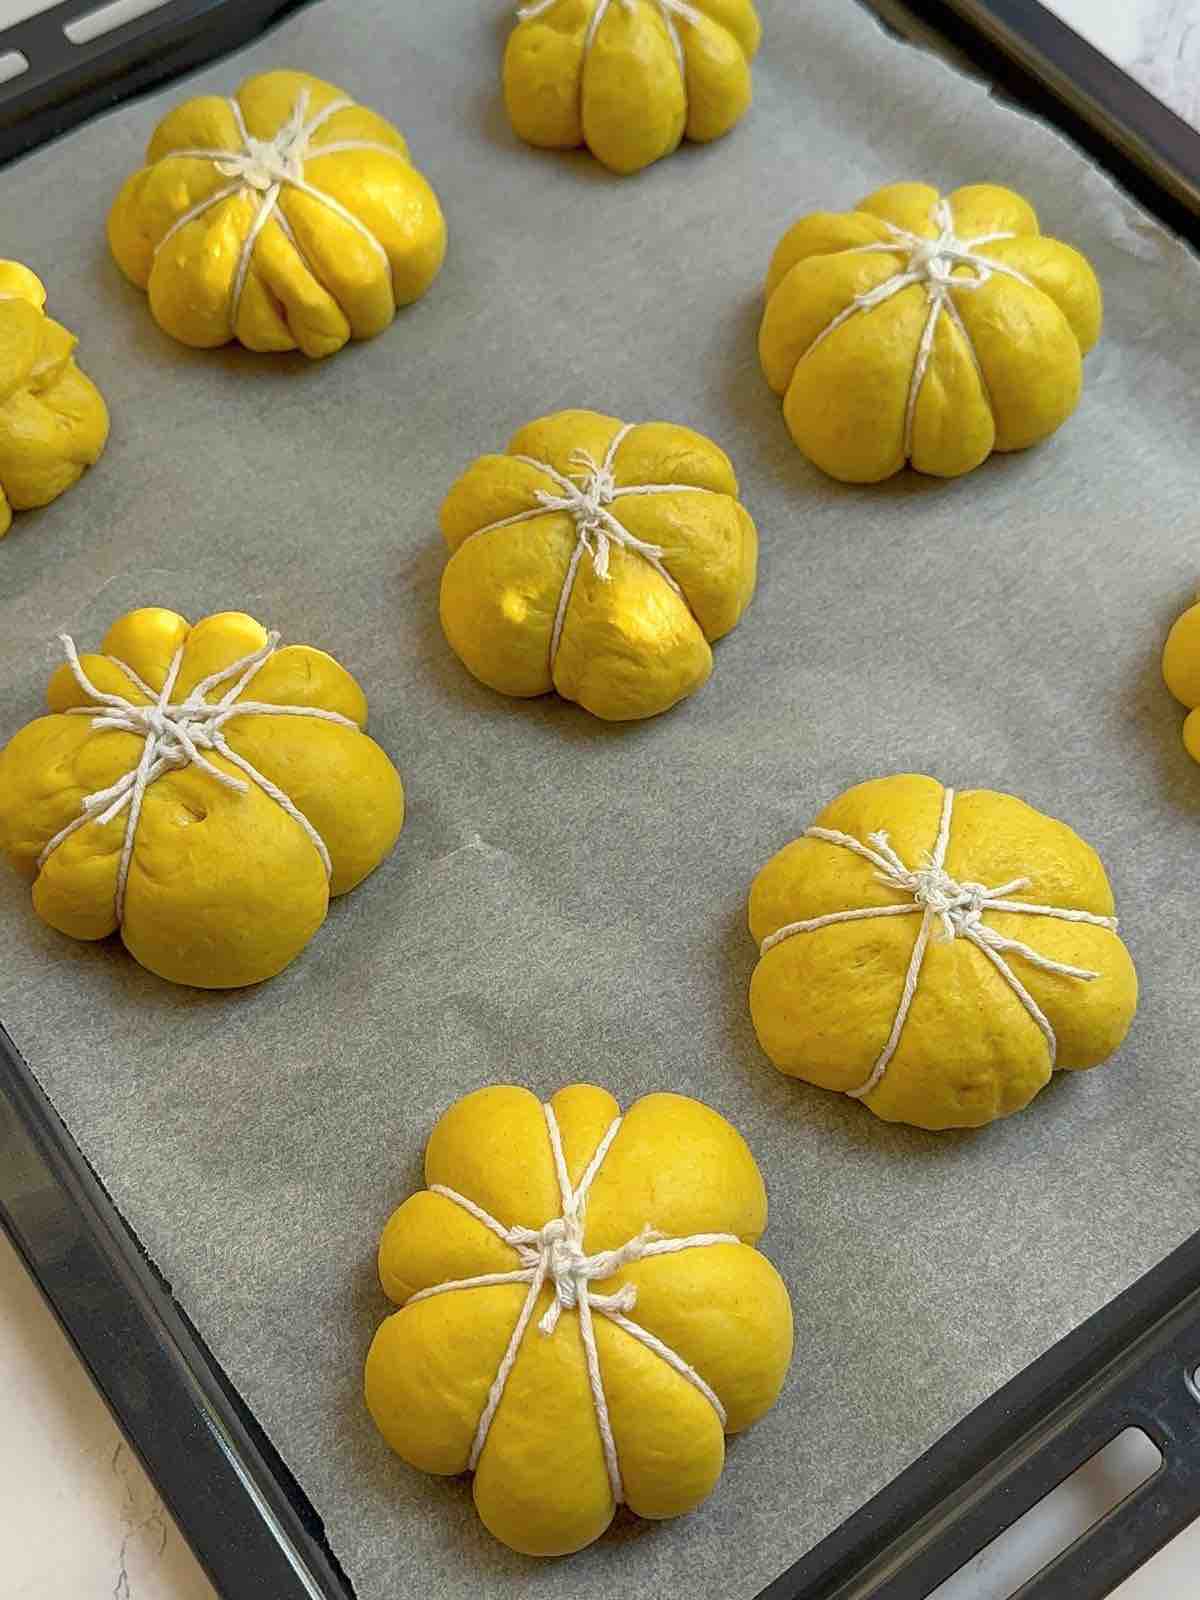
(567, 899)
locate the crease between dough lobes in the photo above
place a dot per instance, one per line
(946, 991)
(554, 1441)
(204, 792)
(629, 79)
(598, 558)
(285, 217)
(926, 331)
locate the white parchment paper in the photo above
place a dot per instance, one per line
(567, 899)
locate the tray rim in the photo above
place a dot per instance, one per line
(253, 1529)
(255, 1532)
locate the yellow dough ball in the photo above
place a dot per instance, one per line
(584, 1314)
(629, 78)
(599, 559)
(203, 790)
(1181, 673)
(53, 423)
(937, 955)
(285, 217)
(925, 329)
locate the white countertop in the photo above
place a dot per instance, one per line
(1156, 41)
(78, 1518)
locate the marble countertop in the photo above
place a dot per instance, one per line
(1156, 41)
(79, 1520)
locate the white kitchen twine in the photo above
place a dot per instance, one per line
(668, 10)
(587, 495)
(268, 166)
(931, 262)
(554, 1254)
(959, 907)
(176, 734)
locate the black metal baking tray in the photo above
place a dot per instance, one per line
(66, 83)
(1045, 65)
(1130, 1365)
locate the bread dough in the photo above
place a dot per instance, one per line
(937, 955)
(584, 1314)
(925, 329)
(53, 422)
(202, 790)
(629, 78)
(599, 559)
(1181, 673)
(285, 216)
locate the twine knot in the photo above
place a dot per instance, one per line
(172, 731)
(959, 905)
(932, 261)
(599, 487)
(586, 495)
(927, 258)
(262, 163)
(556, 1253)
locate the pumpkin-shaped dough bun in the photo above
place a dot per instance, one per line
(53, 423)
(937, 955)
(925, 329)
(597, 558)
(285, 216)
(584, 1316)
(1181, 672)
(629, 79)
(200, 789)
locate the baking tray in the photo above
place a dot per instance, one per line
(1046, 66)
(249, 1521)
(65, 83)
